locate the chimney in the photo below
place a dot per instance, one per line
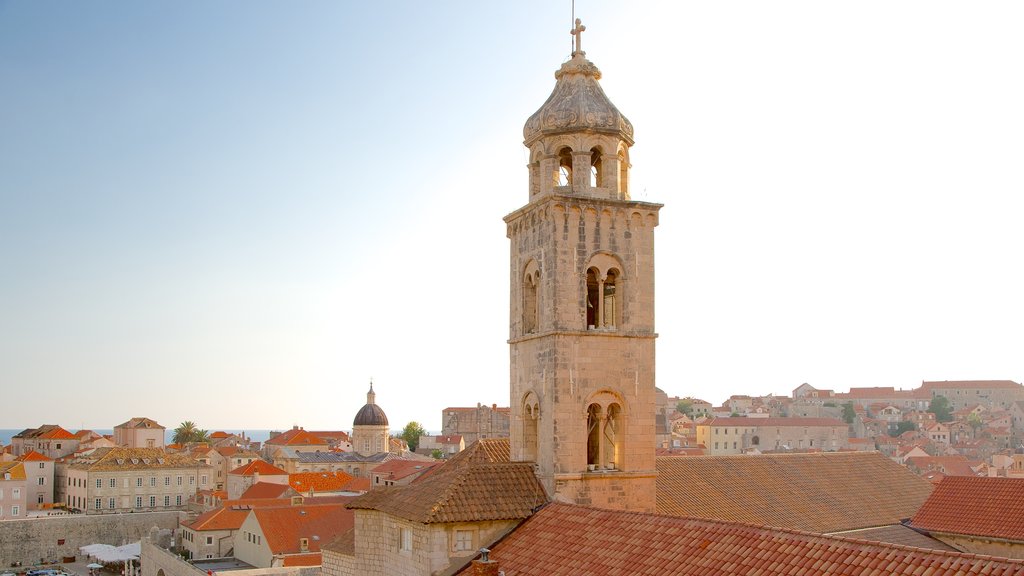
(485, 566)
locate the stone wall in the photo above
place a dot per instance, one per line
(156, 561)
(52, 538)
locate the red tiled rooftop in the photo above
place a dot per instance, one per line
(319, 524)
(296, 437)
(260, 467)
(824, 492)
(319, 481)
(978, 506)
(562, 539)
(266, 490)
(33, 456)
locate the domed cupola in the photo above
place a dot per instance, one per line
(578, 140)
(577, 104)
(370, 414)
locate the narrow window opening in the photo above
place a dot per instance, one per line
(593, 299)
(593, 436)
(612, 437)
(564, 175)
(610, 311)
(530, 302)
(596, 178)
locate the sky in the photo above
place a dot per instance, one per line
(238, 213)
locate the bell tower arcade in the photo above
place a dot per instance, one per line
(581, 326)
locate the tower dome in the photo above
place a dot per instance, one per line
(577, 104)
(578, 140)
(370, 414)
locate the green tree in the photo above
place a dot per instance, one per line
(975, 422)
(411, 434)
(848, 413)
(188, 432)
(685, 406)
(436, 453)
(940, 407)
(903, 426)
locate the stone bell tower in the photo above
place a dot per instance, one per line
(581, 327)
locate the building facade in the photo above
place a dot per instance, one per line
(740, 435)
(117, 480)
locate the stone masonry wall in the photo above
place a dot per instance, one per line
(52, 538)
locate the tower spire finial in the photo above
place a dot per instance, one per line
(577, 31)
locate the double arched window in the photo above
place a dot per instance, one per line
(605, 433)
(604, 293)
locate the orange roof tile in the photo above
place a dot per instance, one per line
(469, 487)
(397, 469)
(319, 481)
(752, 422)
(977, 506)
(15, 469)
(296, 437)
(563, 539)
(219, 434)
(309, 559)
(284, 526)
(822, 492)
(261, 467)
(266, 490)
(361, 484)
(33, 456)
(225, 518)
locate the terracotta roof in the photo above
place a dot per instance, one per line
(562, 539)
(823, 492)
(961, 384)
(266, 490)
(487, 450)
(344, 543)
(219, 434)
(948, 465)
(260, 467)
(898, 534)
(752, 422)
(990, 507)
(140, 423)
(398, 469)
(225, 518)
(46, 431)
(133, 459)
(296, 437)
(284, 526)
(470, 487)
(319, 481)
(33, 456)
(309, 559)
(361, 484)
(15, 469)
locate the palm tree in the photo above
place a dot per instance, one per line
(188, 432)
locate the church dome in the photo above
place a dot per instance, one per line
(370, 414)
(577, 104)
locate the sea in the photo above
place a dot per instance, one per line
(254, 435)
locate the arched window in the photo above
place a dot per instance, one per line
(594, 417)
(610, 311)
(531, 417)
(596, 179)
(605, 433)
(755, 441)
(593, 298)
(564, 175)
(531, 281)
(611, 440)
(604, 293)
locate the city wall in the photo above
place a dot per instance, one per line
(50, 539)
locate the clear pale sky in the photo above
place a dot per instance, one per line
(238, 213)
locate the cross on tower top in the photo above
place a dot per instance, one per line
(577, 31)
